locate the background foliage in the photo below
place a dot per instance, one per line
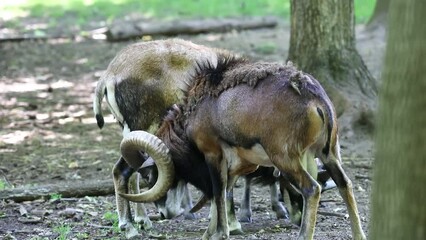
(164, 9)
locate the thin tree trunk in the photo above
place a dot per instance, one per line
(398, 198)
(322, 43)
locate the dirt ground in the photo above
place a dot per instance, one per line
(48, 135)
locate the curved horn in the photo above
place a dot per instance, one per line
(136, 141)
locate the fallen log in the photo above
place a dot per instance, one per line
(73, 189)
(129, 30)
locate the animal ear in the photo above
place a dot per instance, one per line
(148, 163)
(296, 81)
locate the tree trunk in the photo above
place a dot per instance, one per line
(322, 43)
(380, 14)
(398, 198)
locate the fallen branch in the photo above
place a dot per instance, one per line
(365, 165)
(362, 177)
(128, 30)
(333, 214)
(74, 189)
(27, 37)
(330, 200)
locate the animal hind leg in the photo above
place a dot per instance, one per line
(121, 174)
(344, 184)
(307, 186)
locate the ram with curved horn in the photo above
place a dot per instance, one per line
(140, 84)
(239, 115)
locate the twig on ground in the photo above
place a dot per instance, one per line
(333, 214)
(359, 176)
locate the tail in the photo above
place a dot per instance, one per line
(330, 123)
(325, 108)
(97, 102)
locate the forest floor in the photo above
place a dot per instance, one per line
(48, 135)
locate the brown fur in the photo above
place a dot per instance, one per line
(236, 71)
(246, 106)
(141, 82)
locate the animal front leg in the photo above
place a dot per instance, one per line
(233, 223)
(218, 226)
(245, 211)
(213, 221)
(187, 203)
(141, 216)
(277, 207)
(293, 201)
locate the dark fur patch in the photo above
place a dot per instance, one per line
(189, 162)
(320, 113)
(100, 121)
(263, 176)
(229, 72)
(214, 75)
(243, 142)
(137, 109)
(172, 134)
(99, 117)
(338, 178)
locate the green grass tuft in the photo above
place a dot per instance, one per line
(112, 217)
(2, 184)
(63, 231)
(55, 196)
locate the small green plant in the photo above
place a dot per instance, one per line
(55, 196)
(112, 218)
(82, 235)
(63, 231)
(2, 184)
(266, 48)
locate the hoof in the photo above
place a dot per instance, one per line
(245, 216)
(330, 184)
(280, 211)
(215, 236)
(236, 232)
(245, 219)
(190, 216)
(130, 231)
(145, 224)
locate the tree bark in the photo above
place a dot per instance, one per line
(72, 189)
(380, 14)
(322, 43)
(398, 197)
